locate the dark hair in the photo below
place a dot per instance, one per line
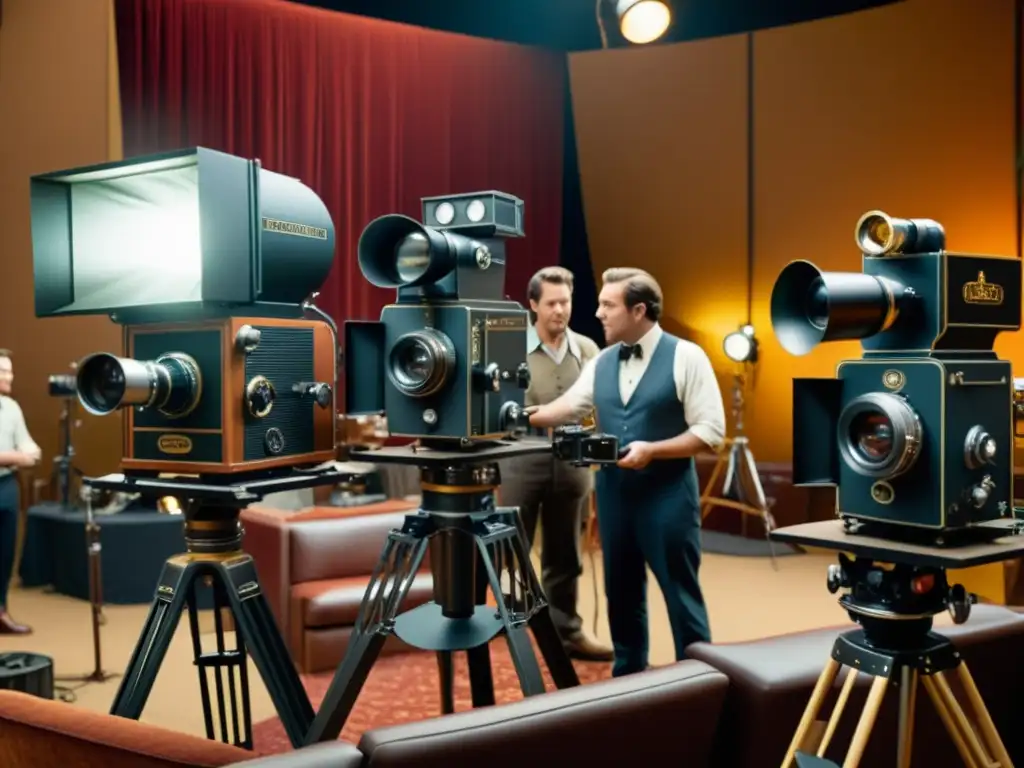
(640, 288)
(552, 275)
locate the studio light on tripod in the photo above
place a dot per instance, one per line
(741, 346)
(643, 21)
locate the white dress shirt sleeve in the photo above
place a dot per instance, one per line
(580, 396)
(22, 439)
(698, 391)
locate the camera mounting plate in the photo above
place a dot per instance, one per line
(999, 541)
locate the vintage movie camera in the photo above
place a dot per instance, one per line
(62, 385)
(581, 447)
(209, 262)
(447, 360)
(917, 436)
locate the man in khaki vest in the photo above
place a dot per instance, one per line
(544, 489)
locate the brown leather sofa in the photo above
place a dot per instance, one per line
(44, 733)
(314, 567)
(663, 716)
(735, 705)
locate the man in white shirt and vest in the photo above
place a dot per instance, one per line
(546, 490)
(17, 449)
(659, 396)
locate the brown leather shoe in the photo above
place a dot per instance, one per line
(585, 648)
(9, 626)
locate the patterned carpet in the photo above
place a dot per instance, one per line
(404, 687)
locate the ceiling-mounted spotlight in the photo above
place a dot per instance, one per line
(643, 21)
(741, 346)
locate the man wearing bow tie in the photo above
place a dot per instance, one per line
(659, 396)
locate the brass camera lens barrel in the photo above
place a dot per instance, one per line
(421, 362)
(879, 234)
(879, 435)
(809, 306)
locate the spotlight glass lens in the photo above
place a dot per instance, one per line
(738, 346)
(645, 21)
(412, 257)
(444, 213)
(475, 211)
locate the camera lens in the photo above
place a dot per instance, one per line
(817, 304)
(421, 362)
(871, 434)
(879, 435)
(171, 384)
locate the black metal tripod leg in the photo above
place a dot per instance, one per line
(197, 652)
(399, 562)
(446, 671)
(161, 623)
(258, 630)
(528, 670)
(563, 673)
(481, 681)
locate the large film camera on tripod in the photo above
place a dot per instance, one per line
(446, 363)
(917, 436)
(207, 261)
(227, 380)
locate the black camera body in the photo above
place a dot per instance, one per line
(917, 436)
(580, 447)
(448, 357)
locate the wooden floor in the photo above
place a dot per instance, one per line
(747, 599)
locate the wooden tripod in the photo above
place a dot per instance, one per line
(977, 743)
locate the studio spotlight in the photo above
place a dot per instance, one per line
(741, 346)
(643, 21)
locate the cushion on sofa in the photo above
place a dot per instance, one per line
(334, 602)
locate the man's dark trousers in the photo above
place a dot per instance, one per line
(648, 517)
(8, 532)
(556, 495)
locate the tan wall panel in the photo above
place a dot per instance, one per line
(662, 141)
(56, 98)
(847, 122)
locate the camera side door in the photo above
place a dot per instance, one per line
(815, 413)
(364, 367)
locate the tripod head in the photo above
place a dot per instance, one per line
(895, 603)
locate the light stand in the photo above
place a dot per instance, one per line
(64, 386)
(741, 487)
(94, 548)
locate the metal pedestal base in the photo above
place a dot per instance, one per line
(458, 619)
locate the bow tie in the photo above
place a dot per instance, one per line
(627, 351)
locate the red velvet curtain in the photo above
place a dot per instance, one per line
(371, 115)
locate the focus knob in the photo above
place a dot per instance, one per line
(259, 397)
(959, 603)
(523, 376)
(834, 581)
(981, 492)
(980, 447)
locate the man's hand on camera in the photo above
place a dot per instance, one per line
(637, 455)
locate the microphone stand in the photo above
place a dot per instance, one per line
(92, 542)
